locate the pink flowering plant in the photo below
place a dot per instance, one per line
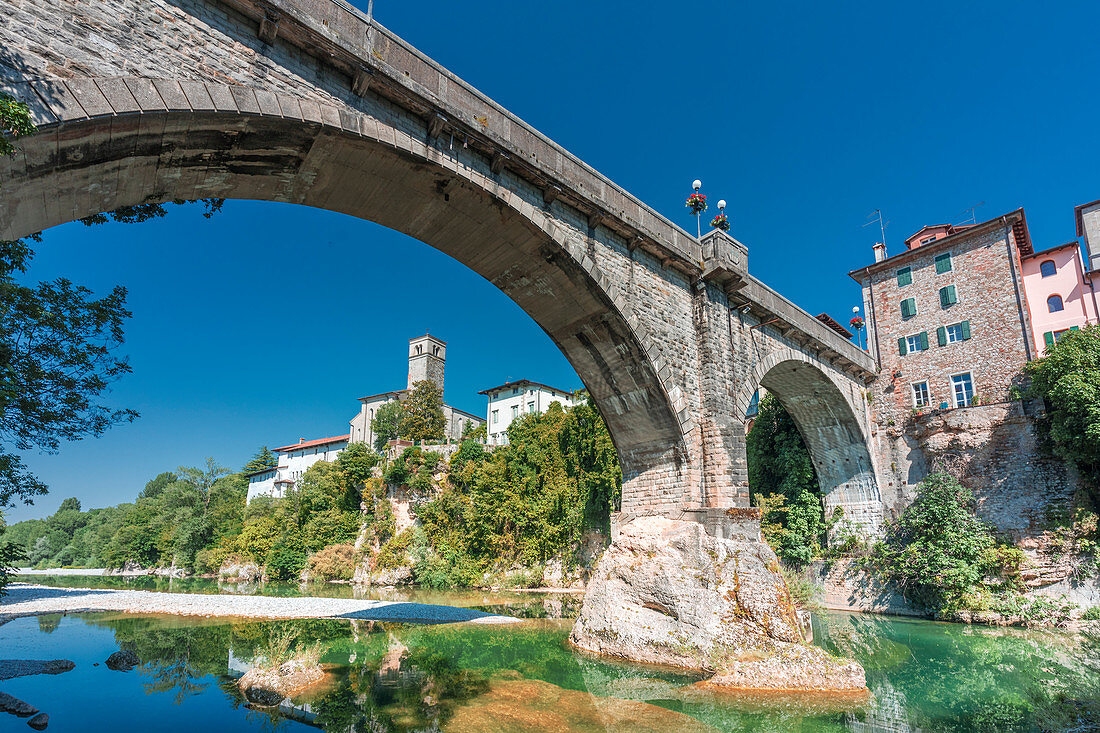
(856, 323)
(697, 202)
(721, 222)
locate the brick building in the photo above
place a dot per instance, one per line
(947, 317)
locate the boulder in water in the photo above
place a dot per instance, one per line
(271, 686)
(39, 722)
(15, 706)
(122, 661)
(667, 592)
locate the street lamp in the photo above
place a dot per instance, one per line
(858, 324)
(698, 204)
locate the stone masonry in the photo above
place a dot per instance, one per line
(309, 102)
(986, 276)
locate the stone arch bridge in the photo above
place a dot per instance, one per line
(310, 102)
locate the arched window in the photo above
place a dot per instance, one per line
(1054, 303)
(1048, 268)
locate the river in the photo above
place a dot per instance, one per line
(523, 677)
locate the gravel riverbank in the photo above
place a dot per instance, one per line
(35, 600)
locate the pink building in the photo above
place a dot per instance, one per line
(1059, 292)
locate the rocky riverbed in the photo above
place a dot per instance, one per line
(35, 600)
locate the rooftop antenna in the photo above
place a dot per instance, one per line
(973, 217)
(876, 216)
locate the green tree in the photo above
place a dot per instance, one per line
(479, 432)
(783, 483)
(154, 487)
(57, 347)
(1068, 380)
(386, 424)
(422, 418)
(264, 458)
(356, 465)
(938, 550)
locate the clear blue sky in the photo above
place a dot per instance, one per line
(266, 323)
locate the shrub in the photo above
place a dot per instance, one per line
(1092, 614)
(938, 549)
(211, 559)
(395, 552)
(335, 562)
(805, 592)
(285, 559)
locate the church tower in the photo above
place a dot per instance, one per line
(427, 357)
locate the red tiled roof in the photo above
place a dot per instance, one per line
(833, 324)
(311, 443)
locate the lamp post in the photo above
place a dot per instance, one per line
(858, 323)
(697, 184)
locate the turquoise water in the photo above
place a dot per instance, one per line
(398, 677)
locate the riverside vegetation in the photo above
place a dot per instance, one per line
(520, 505)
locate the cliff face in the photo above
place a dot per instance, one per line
(1025, 494)
(667, 592)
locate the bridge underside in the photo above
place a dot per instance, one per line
(313, 105)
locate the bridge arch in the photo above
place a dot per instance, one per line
(535, 251)
(831, 426)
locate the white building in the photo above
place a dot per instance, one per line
(427, 362)
(512, 399)
(293, 461)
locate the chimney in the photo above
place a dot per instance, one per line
(301, 440)
(880, 251)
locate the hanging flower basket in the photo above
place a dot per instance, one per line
(697, 202)
(721, 222)
(856, 323)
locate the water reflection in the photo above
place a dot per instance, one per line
(385, 677)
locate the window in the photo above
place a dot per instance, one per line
(943, 262)
(419, 349)
(1052, 337)
(1054, 303)
(496, 416)
(916, 342)
(963, 387)
(515, 390)
(754, 405)
(928, 240)
(905, 276)
(530, 407)
(953, 333)
(1048, 268)
(515, 411)
(921, 395)
(908, 308)
(948, 296)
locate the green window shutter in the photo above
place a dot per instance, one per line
(943, 262)
(923, 340)
(1048, 338)
(947, 296)
(908, 308)
(901, 346)
(965, 327)
(941, 336)
(905, 276)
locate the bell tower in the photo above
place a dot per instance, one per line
(427, 358)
